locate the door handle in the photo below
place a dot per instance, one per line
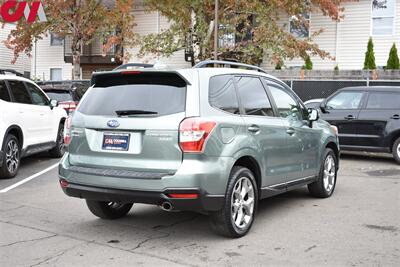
(349, 117)
(395, 117)
(290, 131)
(253, 128)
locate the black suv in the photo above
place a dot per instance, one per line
(368, 118)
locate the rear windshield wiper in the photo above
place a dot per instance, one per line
(135, 112)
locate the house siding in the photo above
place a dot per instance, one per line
(347, 40)
(6, 55)
(153, 22)
(48, 57)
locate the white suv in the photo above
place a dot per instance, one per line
(29, 123)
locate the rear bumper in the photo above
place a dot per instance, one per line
(204, 201)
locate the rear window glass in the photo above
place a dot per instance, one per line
(222, 94)
(60, 96)
(383, 101)
(155, 96)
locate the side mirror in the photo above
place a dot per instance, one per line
(313, 114)
(323, 107)
(53, 103)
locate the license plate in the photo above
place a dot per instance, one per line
(116, 141)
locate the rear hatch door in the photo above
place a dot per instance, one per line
(130, 121)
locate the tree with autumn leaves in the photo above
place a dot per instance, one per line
(83, 21)
(254, 29)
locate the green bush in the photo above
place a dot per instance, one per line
(336, 68)
(393, 60)
(369, 62)
(308, 63)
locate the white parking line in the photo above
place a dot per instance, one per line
(28, 179)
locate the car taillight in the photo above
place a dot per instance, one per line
(69, 106)
(193, 133)
(67, 130)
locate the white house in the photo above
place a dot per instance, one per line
(346, 41)
(23, 64)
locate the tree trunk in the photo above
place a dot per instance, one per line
(76, 61)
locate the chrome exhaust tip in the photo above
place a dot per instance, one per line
(166, 206)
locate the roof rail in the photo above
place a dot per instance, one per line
(203, 64)
(4, 71)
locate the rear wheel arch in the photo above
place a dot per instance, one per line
(394, 137)
(250, 163)
(17, 132)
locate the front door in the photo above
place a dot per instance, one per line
(302, 142)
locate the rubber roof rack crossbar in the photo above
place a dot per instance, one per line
(205, 63)
(4, 71)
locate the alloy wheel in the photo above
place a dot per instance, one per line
(12, 156)
(61, 144)
(398, 150)
(329, 173)
(242, 203)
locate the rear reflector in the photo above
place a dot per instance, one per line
(63, 183)
(179, 195)
(193, 133)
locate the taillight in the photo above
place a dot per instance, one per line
(69, 106)
(67, 130)
(193, 133)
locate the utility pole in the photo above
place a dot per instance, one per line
(216, 31)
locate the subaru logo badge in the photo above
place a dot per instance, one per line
(113, 123)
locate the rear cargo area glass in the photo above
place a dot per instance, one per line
(152, 93)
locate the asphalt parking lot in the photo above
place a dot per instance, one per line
(358, 226)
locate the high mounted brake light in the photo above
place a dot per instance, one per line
(193, 134)
(127, 72)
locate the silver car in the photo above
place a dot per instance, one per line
(213, 140)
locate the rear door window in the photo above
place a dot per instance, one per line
(4, 95)
(20, 92)
(222, 94)
(149, 94)
(383, 100)
(253, 97)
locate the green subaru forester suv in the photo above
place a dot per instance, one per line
(212, 140)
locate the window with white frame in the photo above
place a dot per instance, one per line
(299, 25)
(383, 17)
(55, 40)
(55, 74)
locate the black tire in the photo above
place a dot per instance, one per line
(12, 157)
(396, 150)
(59, 150)
(108, 210)
(319, 188)
(222, 221)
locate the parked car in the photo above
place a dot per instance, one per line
(214, 140)
(29, 123)
(67, 93)
(368, 118)
(314, 103)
